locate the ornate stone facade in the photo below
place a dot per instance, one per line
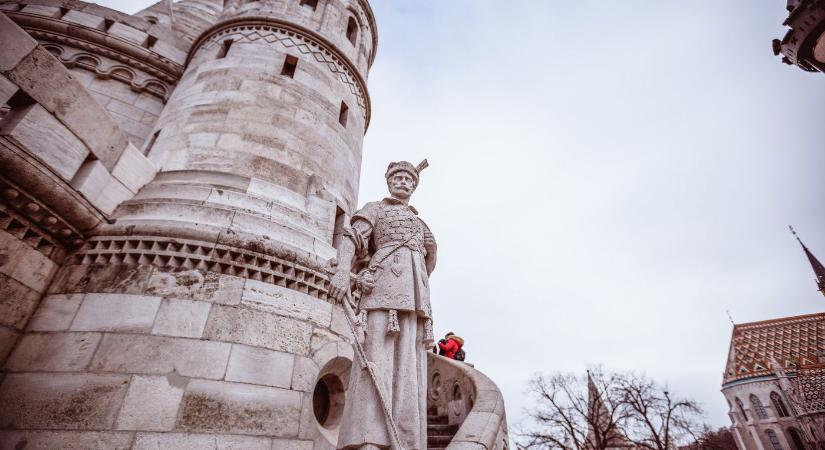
(774, 383)
(173, 185)
(804, 43)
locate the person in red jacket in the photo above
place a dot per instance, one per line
(450, 345)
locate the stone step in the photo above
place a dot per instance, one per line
(438, 441)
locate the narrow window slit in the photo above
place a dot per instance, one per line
(224, 48)
(310, 3)
(290, 64)
(342, 115)
(352, 30)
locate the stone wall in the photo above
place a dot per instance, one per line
(749, 428)
(149, 356)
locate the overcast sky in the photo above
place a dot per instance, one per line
(607, 178)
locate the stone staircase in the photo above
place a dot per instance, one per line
(439, 432)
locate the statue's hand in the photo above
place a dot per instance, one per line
(339, 285)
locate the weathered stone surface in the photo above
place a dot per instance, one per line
(54, 352)
(212, 406)
(286, 302)
(17, 302)
(100, 187)
(231, 442)
(43, 10)
(64, 440)
(185, 318)
(109, 278)
(8, 338)
(257, 328)
(128, 33)
(133, 170)
(45, 79)
(55, 312)
(151, 403)
(292, 444)
(260, 366)
(24, 264)
(61, 401)
(161, 355)
(87, 20)
(181, 441)
(17, 43)
(116, 312)
(190, 441)
(196, 285)
(304, 375)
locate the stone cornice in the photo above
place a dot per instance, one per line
(98, 41)
(327, 49)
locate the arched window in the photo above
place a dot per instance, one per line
(741, 408)
(779, 405)
(352, 30)
(774, 440)
(796, 439)
(758, 407)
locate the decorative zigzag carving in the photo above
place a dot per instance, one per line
(188, 254)
(289, 39)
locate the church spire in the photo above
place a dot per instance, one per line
(819, 269)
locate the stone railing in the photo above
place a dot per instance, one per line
(459, 395)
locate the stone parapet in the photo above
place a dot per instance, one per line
(461, 396)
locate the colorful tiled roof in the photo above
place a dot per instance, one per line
(792, 341)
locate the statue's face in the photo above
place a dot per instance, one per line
(401, 185)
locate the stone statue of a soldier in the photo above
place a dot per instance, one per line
(393, 252)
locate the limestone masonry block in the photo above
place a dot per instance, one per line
(129, 33)
(87, 20)
(213, 406)
(169, 51)
(45, 79)
(8, 337)
(292, 444)
(7, 88)
(258, 328)
(17, 302)
(65, 440)
(185, 318)
(43, 10)
(161, 355)
(99, 186)
(260, 366)
(16, 43)
(116, 312)
(195, 284)
(45, 137)
(286, 302)
(25, 264)
(133, 169)
(56, 352)
(55, 312)
(151, 403)
(304, 375)
(190, 441)
(53, 401)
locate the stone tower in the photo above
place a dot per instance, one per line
(171, 187)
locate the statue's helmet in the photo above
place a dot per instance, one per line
(406, 166)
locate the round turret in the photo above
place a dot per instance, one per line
(262, 138)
